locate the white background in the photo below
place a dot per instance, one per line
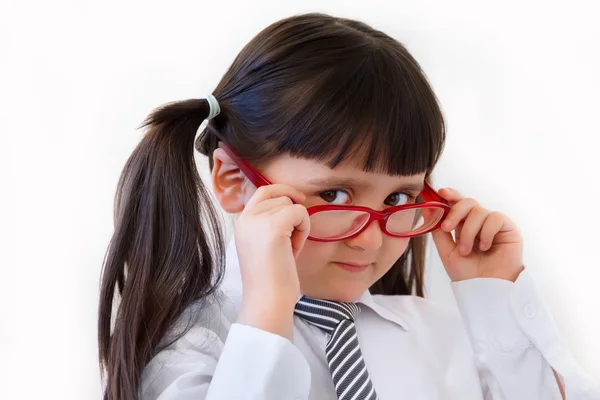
(518, 83)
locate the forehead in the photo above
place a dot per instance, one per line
(310, 173)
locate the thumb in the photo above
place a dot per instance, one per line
(444, 242)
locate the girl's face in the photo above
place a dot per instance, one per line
(319, 275)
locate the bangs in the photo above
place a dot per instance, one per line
(378, 114)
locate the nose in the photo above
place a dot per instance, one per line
(371, 238)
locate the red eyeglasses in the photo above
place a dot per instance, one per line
(329, 223)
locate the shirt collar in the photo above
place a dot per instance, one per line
(384, 312)
(232, 284)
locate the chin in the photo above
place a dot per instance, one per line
(347, 293)
(346, 298)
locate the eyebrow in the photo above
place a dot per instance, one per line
(356, 184)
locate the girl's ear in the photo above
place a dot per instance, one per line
(228, 182)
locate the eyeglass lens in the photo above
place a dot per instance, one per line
(332, 224)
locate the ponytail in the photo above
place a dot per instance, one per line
(167, 250)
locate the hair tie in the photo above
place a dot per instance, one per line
(214, 106)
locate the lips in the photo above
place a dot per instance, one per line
(353, 268)
(354, 264)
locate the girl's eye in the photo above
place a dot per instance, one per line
(330, 195)
(403, 197)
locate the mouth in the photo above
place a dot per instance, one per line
(352, 267)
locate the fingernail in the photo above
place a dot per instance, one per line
(447, 223)
(463, 249)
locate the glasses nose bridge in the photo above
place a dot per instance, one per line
(375, 216)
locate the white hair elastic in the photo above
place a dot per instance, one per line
(214, 106)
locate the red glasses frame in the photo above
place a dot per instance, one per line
(431, 197)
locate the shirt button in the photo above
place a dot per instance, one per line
(529, 311)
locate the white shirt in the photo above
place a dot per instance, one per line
(501, 344)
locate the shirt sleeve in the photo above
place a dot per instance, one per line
(516, 342)
(249, 364)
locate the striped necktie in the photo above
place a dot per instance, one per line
(348, 370)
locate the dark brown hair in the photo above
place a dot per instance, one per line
(311, 85)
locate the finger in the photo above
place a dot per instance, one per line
(471, 229)
(275, 210)
(452, 195)
(273, 191)
(458, 230)
(492, 225)
(458, 212)
(444, 242)
(270, 206)
(298, 216)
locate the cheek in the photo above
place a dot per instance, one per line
(393, 249)
(315, 255)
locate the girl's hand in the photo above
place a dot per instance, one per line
(493, 246)
(269, 235)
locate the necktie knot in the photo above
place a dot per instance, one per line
(325, 314)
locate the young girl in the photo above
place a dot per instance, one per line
(322, 137)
